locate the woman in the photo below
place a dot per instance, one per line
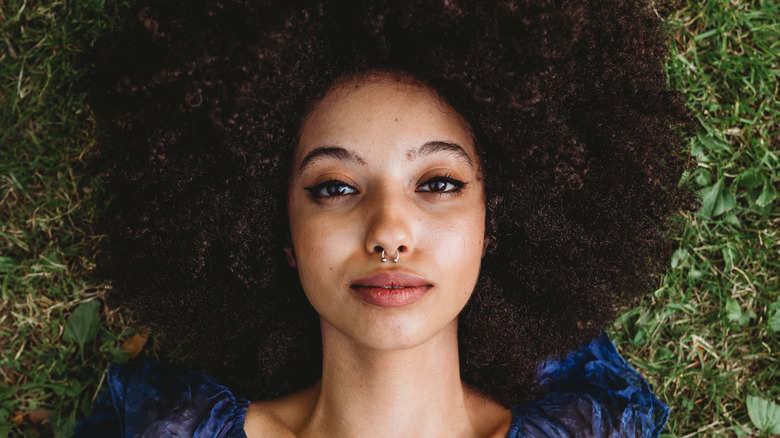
(401, 219)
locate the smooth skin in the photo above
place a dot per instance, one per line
(385, 164)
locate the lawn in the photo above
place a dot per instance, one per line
(707, 339)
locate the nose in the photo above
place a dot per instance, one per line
(389, 225)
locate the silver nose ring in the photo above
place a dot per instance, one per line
(395, 260)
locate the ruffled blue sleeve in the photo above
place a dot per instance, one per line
(161, 400)
(593, 392)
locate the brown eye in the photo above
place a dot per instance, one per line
(441, 184)
(331, 189)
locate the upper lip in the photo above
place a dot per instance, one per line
(391, 279)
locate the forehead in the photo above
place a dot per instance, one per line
(381, 108)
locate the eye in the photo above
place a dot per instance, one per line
(331, 189)
(441, 184)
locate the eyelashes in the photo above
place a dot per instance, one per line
(441, 184)
(331, 189)
(438, 185)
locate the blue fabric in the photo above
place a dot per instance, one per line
(593, 392)
(161, 400)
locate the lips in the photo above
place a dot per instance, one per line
(391, 289)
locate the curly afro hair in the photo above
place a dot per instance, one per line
(199, 107)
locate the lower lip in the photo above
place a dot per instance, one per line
(383, 297)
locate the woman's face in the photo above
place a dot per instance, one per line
(385, 165)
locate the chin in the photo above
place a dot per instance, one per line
(403, 334)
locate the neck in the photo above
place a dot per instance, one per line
(409, 392)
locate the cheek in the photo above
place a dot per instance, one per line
(308, 231)
(468, 225)
(319, 247)
(458, 242)
(458, 253)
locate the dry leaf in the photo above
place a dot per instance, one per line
(30, 417)
(17, 418)
(39, 416)
(134, 345)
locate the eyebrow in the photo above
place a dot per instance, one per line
(434, 147)
(335, 152)
(341, 154)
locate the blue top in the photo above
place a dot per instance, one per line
(593, 393)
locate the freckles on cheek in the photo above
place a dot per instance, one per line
(323, 244)
(468, 233)
(313, 254)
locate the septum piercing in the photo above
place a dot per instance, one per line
(395, 260)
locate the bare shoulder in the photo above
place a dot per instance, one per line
(279, 418)
(261, 422)
(491, 419)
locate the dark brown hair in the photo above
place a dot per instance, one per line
(199, 106)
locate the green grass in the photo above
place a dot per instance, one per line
(706, 339)
(47, 208)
